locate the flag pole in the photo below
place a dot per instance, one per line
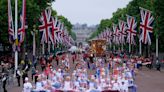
(16, 35)
(34, 46)
(53, 47)
(49, 43)
(129, 47)
(43, 48)
(140, 48)
(114, 48)
(156, 48)
(122, 47)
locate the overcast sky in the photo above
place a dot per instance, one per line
(88, 11)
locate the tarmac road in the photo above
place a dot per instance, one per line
(150, 81)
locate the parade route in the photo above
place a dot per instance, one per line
(150, 81)
(81, 46)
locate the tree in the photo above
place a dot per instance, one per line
(157, 8)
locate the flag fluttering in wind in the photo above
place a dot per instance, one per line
(146, 25)
(46, 26)
(110, 36)
(54, 29)
(131, 26)
(21, 30)
(116, 34)
(10, 23)
(108, 33)
(57, 32)
(122, 27)
(61, 33)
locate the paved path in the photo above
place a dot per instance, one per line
(150, 81)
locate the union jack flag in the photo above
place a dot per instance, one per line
(61, 33)
(21, 30)
(115, 34)
(54, 28)
(131, 26)
(109, 35)
(46, 26)
(104, 34)
(146, 25)
(57, 32)
(122, 27)
(10, 23)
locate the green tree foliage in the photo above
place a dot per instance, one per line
(132, 9)
(68, 26)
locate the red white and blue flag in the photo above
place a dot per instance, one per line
(46, 27)
(131, 29)
(122, 27)
(109, 35)
(10, 23)
(146, 25)
(115, 34)
(61, 33)
(21, 30)
(57, 32)
(54, 28)
(104, 34)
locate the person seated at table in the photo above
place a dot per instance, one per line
(76, 84)
(116, 85)
(102, 80)
(54, 77)
(57, 84)
(123, 87)
(39, 84)
(48, 86)
(44, 80)
(92, 85)
(67, 84)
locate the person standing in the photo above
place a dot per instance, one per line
(43, 63)
(4, 80)
(24, 75)
(33, 72)
(158, 65)
(27, 86)
(57, 60)
(18, 75)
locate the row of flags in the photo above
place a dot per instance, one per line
(127, 31)
(21, 29)
(53, 30)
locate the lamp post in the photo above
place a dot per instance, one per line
(16, 35)
(34, 43)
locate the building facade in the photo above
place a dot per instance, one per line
(83, 32)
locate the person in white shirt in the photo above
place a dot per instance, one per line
(39, 84)
(123, 87)
(27, 86)
(116, 85)
(67, 84)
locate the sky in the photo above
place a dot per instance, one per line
(90, 12)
